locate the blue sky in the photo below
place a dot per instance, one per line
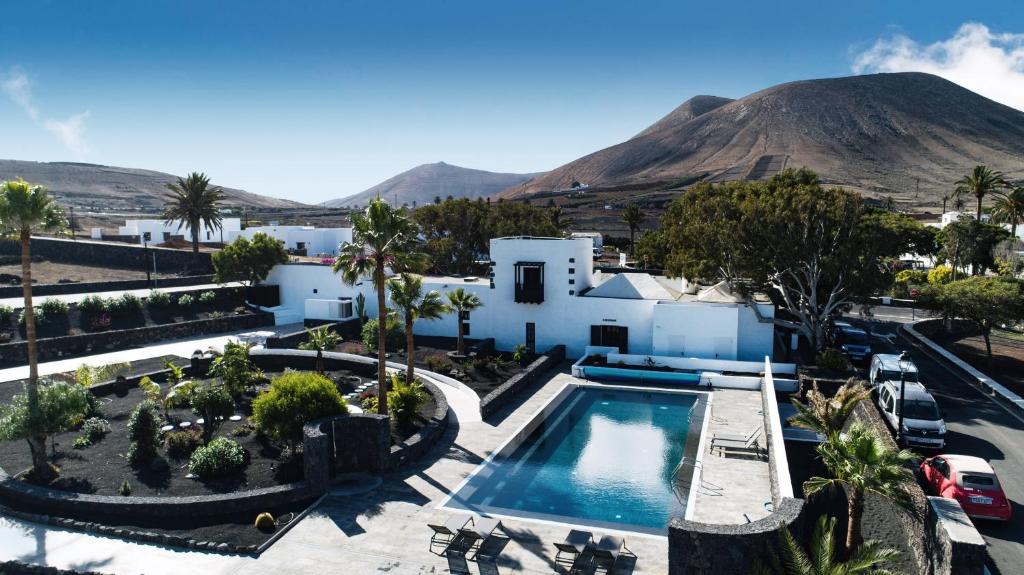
(311, 100)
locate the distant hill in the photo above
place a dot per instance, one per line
(883, 133)
(423, 183)
(98, 187)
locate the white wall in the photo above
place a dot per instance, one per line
(160, 231)
(315, 240)
(756, 339)
(299, 282)
(695, 329)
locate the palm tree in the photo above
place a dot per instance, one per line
(860, 462)
(825, 415)
(193, 202)
(633, 217)
(822, 557)
(1009, 209)
(382, 238)
(24, 209)
(320, 339)
(981, 182)
(461, 301)
(409, 300)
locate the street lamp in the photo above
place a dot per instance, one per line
(146, 237)
(904, 363)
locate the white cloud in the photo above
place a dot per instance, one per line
(71, 132)
(978, 59)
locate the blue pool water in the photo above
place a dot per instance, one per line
(603, 458)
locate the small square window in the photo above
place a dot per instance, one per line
(314, 290)
(572, 270)
(464, 315)
(572, 282)
(465, 328)
(572, 292)
(572, 260)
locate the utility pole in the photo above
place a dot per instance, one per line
(904, 364)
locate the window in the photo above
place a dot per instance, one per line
(572, 292)
(941, 466)
(572, 270)
(465, 328)
(886, 399)
(464, 315)
(610, 336)
(572, 260)
(529, 282)
(572, 282)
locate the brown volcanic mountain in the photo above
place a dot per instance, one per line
(93, 186)
(880, 133)
(423, 183)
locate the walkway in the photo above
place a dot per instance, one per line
(19, 302)
(180, 347)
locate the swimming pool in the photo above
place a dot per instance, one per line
(596, 456)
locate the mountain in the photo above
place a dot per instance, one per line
(884, 133)
(423, 183)
(93, 186)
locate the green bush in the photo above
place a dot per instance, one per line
(157, 298)
(405, 399)
(831, 358)
(181, 444)
(127, 304)
(95, 428)
(395, 337)
(940, 275)
(911, 277)
(144, 433)
(221, 457)
(81, 442)
(125, 489)
(208, 297)
(439, 363)
(6, 313)
(52, 307)
(235, 370)
(370, 404)
(37, 313)
(186, 301)
(214, 404)
(293, 400)
(94, 305)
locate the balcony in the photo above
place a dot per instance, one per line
(529, 282)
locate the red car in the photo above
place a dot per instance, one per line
(970, 481)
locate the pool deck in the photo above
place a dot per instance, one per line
(385, 530)
(733, 490)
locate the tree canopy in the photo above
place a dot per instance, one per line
(970, 243)
(249, 261)
(983, 300)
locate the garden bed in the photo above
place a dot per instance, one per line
(1007, 364)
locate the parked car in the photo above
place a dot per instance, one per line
(970, 481)
(886, 367)
(852, 341)
(923, 425)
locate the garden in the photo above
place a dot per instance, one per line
(55, 317)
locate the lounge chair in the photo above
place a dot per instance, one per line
(445, 534)
(575, 543)
(473, 537)
(741, 446)
(735, 437)
(608, 550)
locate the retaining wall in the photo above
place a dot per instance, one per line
(111, 254)
(115, 285)
(501, 396)
(347, 329)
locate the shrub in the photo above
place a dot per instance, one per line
(181, 444)
(213, 403)
(940, 275)
(439, 363)
(395, 338)
(93, 305)
(62, 405)
(265, 522)
(221, 457)
(125, 489)
(831, 358)
(405, 399)
(911, 277)
(235, 369)
(6, 313)
(519, 353)
(186, 301)
(37, 313)
(127, 304)
(244, 430)
(81, 442)
(208, 297)
(293, 400)
(52, 307)
(369, 403)
(151, 389)
(95, 428)
(144, 433)
(157, 298)
(217, 314)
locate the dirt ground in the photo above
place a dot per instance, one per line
(53, 272)
(1007, 365)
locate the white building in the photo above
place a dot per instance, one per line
(314, 240)
(160, 231)
(544, 291)
(950, 217)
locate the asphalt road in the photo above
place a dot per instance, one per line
(976, 425)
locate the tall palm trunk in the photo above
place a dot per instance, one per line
(410, 351)
(632, 242)
(979, 207)
(460, 346)
(856, 514)
(195, 241)
(36, 443)
(382, 321)
(320, 361)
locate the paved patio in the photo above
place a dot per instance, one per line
(385, 529)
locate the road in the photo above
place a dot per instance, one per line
(976, 426)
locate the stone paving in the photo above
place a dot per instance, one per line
(385, 530)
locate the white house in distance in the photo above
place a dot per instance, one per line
(314, 240)
(160, 231)
(543, 291)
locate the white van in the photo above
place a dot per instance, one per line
(923, 425)
(886, 367)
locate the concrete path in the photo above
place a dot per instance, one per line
(19, 302)
(182, 347)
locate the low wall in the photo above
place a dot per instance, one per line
(953, 544)
(501, 396)
(362, 443)
(13, 354)
(702, 549)
(98, 253)
(427, 437)
(115, 285)
(347, 329)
